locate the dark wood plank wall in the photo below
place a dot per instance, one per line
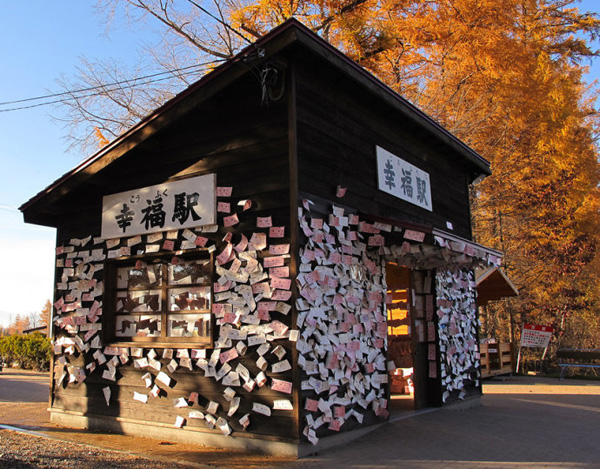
(339, 125)
(246, 144)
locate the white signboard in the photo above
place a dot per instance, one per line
(403, 180)
(181, 204)
(536, 336)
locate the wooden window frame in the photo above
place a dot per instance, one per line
(110, 302)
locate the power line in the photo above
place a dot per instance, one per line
(98, 91)
(106, 85)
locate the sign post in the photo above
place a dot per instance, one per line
(533, 336)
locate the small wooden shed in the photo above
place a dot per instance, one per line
(226, 269)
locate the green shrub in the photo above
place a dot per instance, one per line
(31, 351)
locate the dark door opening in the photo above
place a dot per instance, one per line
(407, 344)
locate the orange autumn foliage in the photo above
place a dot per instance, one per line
(506, 77)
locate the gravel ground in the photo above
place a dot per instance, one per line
(23, 451)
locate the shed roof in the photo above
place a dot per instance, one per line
(292, 32)
(492, 285)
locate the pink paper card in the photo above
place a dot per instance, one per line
(335, 257)
(307, 232)
(267, 305)
(224, 207)
(277, 232)
(228, 355)
(275, 261)
(414, 235)
(335, 425)
(376, 240)
(218, 288)
(264, 222)
(258, 241)
(168, 245)
(280, 272)
(430, 331)
(262, 287)
(251, 264)
(340, 191)
(231, 220)
(279, 327)
(367, 228)
(224, 256)
(281, 386)
(311, 405)
(224, 191)
(263, 315)
(227, 237)
(431, 352)
(282, 295)
(229, 318)
(281, 283)
(278, 249)
(235, 265)
(433, 369)
(316, 223)
(201, 241)
(242, 245)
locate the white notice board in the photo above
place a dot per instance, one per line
(403, 180)
(186, 203)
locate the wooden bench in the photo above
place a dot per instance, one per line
(577, 358)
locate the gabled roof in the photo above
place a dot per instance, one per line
(292, 32)
(492, 285)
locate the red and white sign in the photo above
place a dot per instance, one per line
(536, 336)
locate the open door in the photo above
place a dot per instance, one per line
(407, 341)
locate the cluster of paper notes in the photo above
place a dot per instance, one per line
(340, 334)
(457, 329)
(342, 318)
(251, 293)
(78, 311)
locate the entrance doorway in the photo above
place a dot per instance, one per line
(407, 344)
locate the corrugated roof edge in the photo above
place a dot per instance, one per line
(312, 41)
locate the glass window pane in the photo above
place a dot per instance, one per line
(143, 276)
(188, 325)
(138, 326)
(189, 298)
(139, 301)
(186, 272)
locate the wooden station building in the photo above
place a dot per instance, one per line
(275, 259)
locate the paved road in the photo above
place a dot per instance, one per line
(523, 422)
(23, 386)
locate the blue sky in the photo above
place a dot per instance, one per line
(42, 41)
